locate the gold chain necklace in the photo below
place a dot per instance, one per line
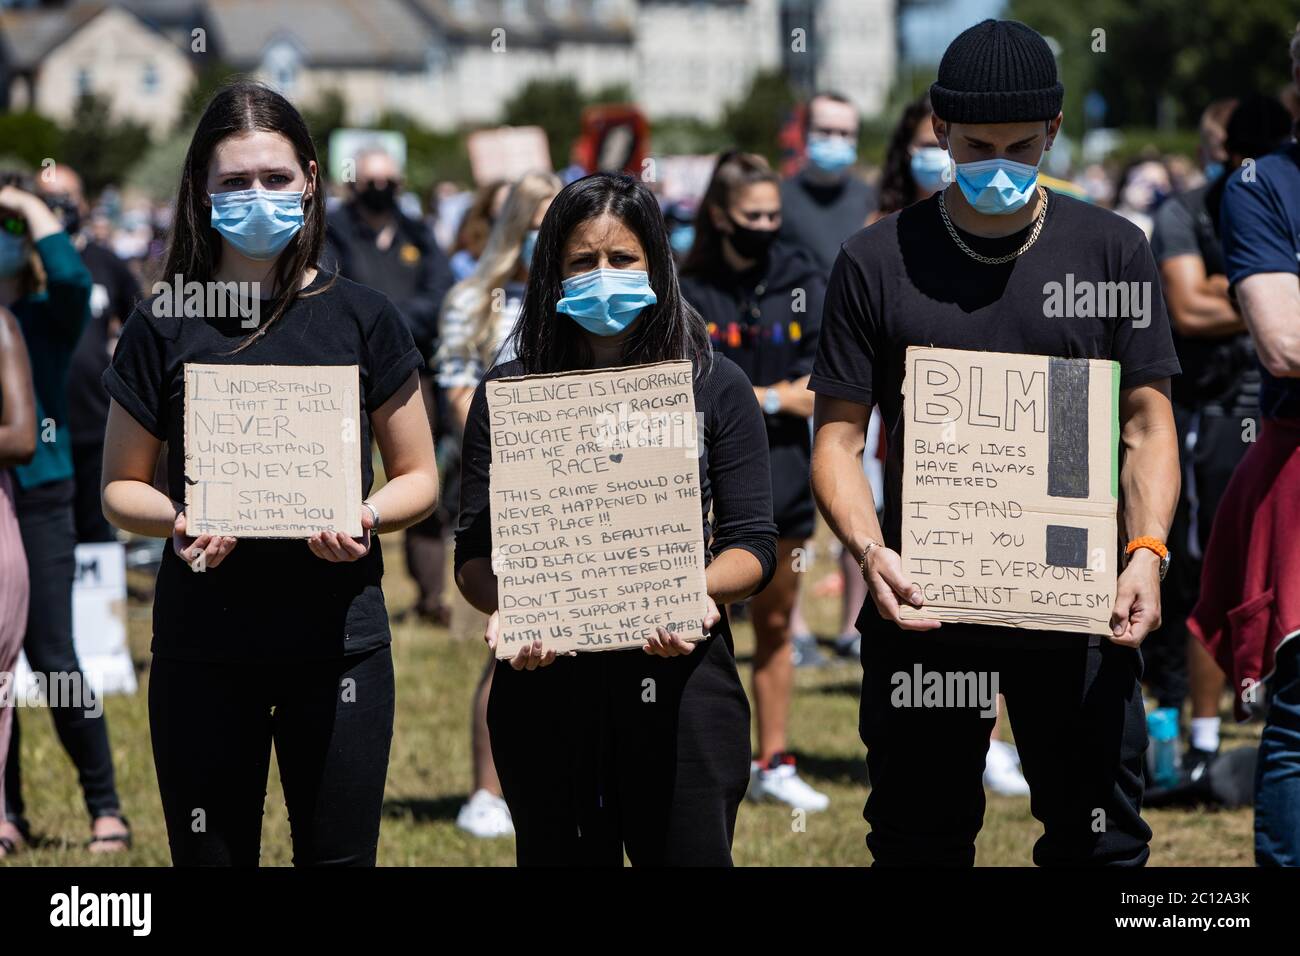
(1000, 260)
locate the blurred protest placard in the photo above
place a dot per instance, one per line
(347, 144)
(98, 625)
(1010, 488)
(595, 505)
(507, 152)
(271, 451)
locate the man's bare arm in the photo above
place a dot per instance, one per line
(1149, 480)
(1198, 304)
(1270, 303)
(845, 500)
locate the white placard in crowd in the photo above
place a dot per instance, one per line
(98, 621)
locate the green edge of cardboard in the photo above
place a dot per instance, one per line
(1114, 430)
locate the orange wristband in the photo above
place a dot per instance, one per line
(1152, 544)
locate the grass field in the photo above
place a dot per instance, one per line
(429, 773)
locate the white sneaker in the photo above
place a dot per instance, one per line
(485, 815)
(1002, 771)
(783, 785)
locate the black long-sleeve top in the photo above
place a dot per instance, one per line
(735, 480)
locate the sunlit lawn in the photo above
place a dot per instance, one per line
(429, 774)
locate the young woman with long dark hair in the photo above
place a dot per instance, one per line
(762, 300)
(589, 769)
(278, 642)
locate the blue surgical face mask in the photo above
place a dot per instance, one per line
(996, 187)
(931, 168)
(527, 247)
(13, 255)
(258, 222)
(832, 154)
(682, 238)
(606, 301)
(1213, 171)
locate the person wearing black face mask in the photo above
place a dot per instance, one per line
(762, 300)
(378, 196)
(369, 240)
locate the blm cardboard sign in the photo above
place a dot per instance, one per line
(271, 451)
(1010, 488)
(595, 506)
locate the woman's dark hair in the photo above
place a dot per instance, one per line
(897, 187)
(735, 171)
(668, 330)
(194, 250)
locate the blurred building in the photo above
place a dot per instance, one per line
(445, 63)
(135, 55)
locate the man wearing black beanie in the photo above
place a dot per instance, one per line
(979, 266)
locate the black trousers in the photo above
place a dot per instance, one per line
(88, 466)
(213, 725)
(1080, 728)
(620, 751)
(1206, 469)
(49, 540)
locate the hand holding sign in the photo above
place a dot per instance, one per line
(663, 644)
(333, 546)
(529, 657)
(888, 585)
(205, 551)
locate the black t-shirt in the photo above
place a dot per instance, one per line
(268, 598)
(819, 217)
(734, 481)
(114, 295)
(903, 281)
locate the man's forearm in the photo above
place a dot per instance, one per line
(844, 496)
(1205, 310)
(1150, 479)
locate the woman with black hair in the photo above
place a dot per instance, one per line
(278, 642)
(916, 166)
(589, 767)
(762, 300)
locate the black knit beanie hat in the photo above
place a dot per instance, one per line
(998, 71)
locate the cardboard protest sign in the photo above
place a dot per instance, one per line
(1010, 488)
(271, 451)
(595, 507)
(507, 152)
